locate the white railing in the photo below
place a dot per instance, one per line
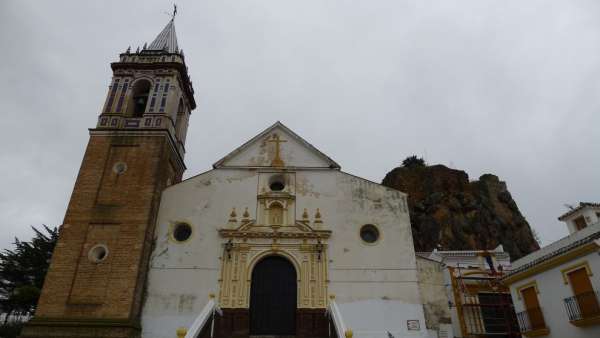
(208, 312)
(336, 317)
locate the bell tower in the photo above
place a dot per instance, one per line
(95, 284)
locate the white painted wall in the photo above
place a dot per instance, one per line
(552, 292)
(380, 277)
(590, 215)
(376, 286)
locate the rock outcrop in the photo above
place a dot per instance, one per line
(449, 212)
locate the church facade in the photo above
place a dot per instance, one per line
(275, 232)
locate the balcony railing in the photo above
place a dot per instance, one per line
(531, 320)
(583, 306)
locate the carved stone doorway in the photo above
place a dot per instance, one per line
(273, 298)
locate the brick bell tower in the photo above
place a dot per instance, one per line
(95, 285)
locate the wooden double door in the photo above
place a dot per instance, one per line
(273, 298)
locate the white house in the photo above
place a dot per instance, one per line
(555, 289)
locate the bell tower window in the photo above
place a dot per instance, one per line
(139, 98)
(179, 120)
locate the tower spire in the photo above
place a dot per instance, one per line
(167, 38)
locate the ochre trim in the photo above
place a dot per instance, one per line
(527, 286)
(586, 321)
(552, 262)
(575, 267)
(537, 333)
(457, 301)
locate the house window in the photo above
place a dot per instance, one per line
(584, 293)
(532, 307)
(580, 223)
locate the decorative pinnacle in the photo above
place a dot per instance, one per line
(305, 215)
(128, 50)
(246, 215)
(233, 216)
(318, 216)
(181, 332)
(145, 46)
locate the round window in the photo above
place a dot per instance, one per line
(369, 233)
(276, 183)
(119, 168)
(277, 186)
(98, 253)
(182, 232)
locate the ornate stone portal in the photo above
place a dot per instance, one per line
(275, 231)
(303, 246)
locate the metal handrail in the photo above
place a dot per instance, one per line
(583, 305)
(338, 322)
(208, 312)
(531, 319)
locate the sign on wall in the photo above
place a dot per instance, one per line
(413, 325)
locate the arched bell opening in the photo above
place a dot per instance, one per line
(139, 98)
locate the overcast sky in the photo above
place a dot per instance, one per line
(504, 87)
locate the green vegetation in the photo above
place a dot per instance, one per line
(413, 161)
(22, 273)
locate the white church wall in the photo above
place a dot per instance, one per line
(261, 153)
(378, 280)
(182, 275)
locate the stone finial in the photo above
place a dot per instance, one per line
(145, 46)
(348, 333)
(233, 216)
(137, 51)
(128, 50)
(181, 332)
(246, 215)
(305, 215)
(318, 216)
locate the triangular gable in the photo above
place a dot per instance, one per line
(261, 151)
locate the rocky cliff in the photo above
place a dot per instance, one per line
(450, 212)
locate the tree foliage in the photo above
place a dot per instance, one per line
(22, 272)
(413, 161)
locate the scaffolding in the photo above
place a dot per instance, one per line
(483, 304)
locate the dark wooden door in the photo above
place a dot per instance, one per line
(273, 297)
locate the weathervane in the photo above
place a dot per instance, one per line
(174, 12)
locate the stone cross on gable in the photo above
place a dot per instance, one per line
(277, 161)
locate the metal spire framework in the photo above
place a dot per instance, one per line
(166, 40)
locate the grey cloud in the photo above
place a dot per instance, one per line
(506, 87)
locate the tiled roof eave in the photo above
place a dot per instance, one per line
(554, 254)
